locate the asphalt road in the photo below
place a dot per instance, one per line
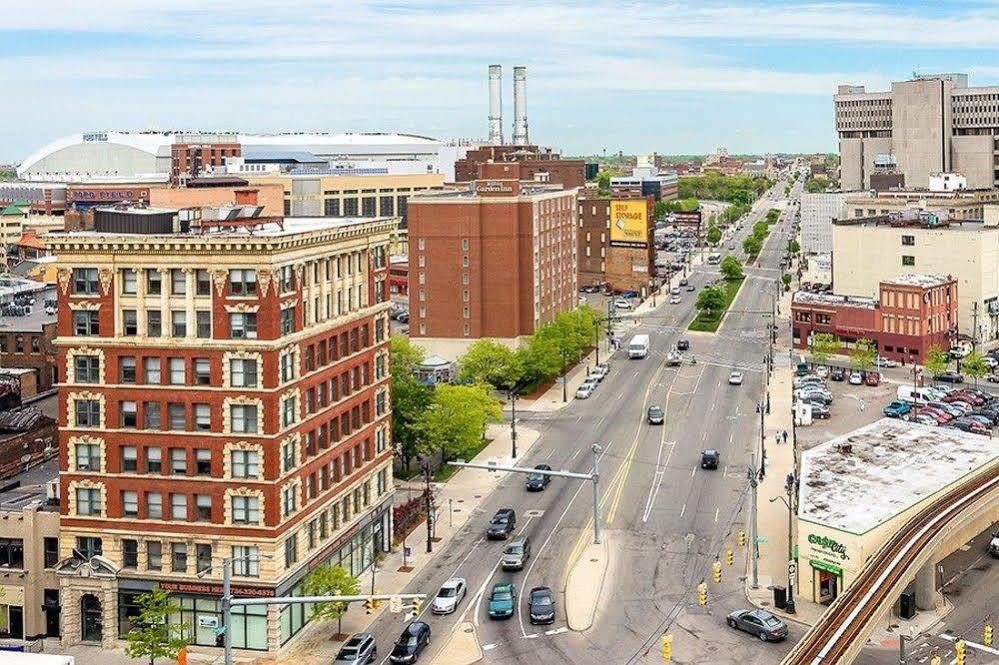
(664, 519)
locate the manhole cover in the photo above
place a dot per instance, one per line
(469, 630)
(477, 496)
(594, 560)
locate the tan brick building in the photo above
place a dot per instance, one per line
(600, 261)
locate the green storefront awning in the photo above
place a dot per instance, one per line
(828, 567)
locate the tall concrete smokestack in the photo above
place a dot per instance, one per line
(495, 104)
(520, 106)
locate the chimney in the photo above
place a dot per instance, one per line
(520, 106)
(496, 104)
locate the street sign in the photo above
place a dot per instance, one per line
(761, 540)
(792, 567)
(219, 630)
(408, 551)
(395, 604)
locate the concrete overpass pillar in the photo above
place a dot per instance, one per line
(927, 596)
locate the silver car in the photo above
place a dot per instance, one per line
(450, 595)
(516, 554)
(358, 650)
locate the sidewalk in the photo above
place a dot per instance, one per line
(551, 399)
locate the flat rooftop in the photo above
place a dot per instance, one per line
(38, 317)
(862, 479)
(809, 298)
(28, 487)
(922, 281)
(292, 226)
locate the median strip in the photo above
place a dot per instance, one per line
(709, 320)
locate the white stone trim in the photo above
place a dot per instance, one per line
(86, 484)
(83, 305)
(86, 440)
(243, 491)
(84, 351)
(241, 308)
(241, 355)
(86, 395)
(227, 450)
(227, 405)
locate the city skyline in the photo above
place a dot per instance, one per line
(756, 77)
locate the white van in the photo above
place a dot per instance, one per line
(714, 259)
(638, 347)
(913, 395)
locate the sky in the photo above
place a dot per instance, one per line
(671, 77)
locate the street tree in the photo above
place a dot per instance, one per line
(456, 422)
(731, 268)
(752, 245)
(823, 346)
(761, 229)
(410, 398)
(974, 366)
(153, 635)
(786, 278)
(714, 235)
(936, 360)
(863, 354)
(491, 362)
(661, 209)
(710, 300)
(330, 580)
(794, 247)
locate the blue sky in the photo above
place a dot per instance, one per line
(675, 77)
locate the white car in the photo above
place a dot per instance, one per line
(599, 372)
(886, 362)
(450, 594)
(621, 303)
(584, 391)
(822, 371)
(856, 379)
(735, 379)
(674, 300)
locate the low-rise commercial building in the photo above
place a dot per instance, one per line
(30, 605)
(622, 266)
(497, 259)
(647, 180)
(27, 332)
(955, 203)
(851, 499)
(910, 314)
(269, 196)
(871, 250)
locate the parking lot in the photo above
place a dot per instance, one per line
(852, 407)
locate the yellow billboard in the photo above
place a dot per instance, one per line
(629, 223)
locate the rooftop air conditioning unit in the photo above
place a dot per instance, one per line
(52, 491)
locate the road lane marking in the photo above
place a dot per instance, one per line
(717, 510)
(683, 510)
(557, 631)
(574, 454)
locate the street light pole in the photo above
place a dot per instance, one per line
(427, 500)
(227, 608)
(565, 379)
(513, 422)
(754, 552)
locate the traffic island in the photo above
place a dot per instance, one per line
(710, 321)
(462, 647)
(585, 584)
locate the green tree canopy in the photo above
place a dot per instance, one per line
(816, 184)
(330, 580)
(823, 346)
(752, 245)
(494, 363)
(456, 421)
(794, 247)
(660, 209)
(153, 635)
(974, 366)
(410, 398)
(405, 355)
(863, 354)
(731, 268)
(710, 300)
(714, 235)
(936, 360)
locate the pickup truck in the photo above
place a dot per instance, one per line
(673, 359)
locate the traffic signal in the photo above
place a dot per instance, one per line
(375, 604)
(959, 652)
(667, 642)
(987, 633)
(716, 571)
(741, 538)
(368, 606)
(702, 593)
(728, 557)
(416, 605)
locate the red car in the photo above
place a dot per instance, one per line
(872, 379)
(962, 396)
(940, 416)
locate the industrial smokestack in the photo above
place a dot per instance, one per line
(496, 104)
(520, 106)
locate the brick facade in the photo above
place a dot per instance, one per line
(535, 164)
(621, 268)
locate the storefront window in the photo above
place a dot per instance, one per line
(200, 616)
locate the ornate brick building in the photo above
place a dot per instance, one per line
(225, 395)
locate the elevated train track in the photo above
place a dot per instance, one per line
(842, 631)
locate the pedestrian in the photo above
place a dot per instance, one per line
(776, 438)
(757, 407)
(784, 434)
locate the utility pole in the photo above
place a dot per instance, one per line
(755, 549)
(513, 421)
(227, 609)
(974, 329)
(901, 649)
(596, 493)
(429, 506)
(596, 341)
(763, 439)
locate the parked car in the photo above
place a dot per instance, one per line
(403, 317)
(925, 419)
(621, 303)
(811, 379)
(600, 372)
(885, 362)
(820, 411)
(691, 287)
(584, 391)
(710, 458)
(682, 345)
(502, 524)
(822, 371)
(856, 379)
(359, 649)
(872, 379)
(674, 300)
(501, 600)
(941, 417)
(541, 605)
(949, 377)
(972, 426)
(516, 554)
(761, 623)
(414, 639)
(735, 379)
(837, 374)
(537, 482)
(656, 415)
(897, 408)
(450, 594)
